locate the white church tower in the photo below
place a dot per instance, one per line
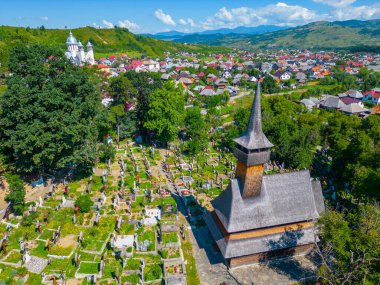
(90, 53)
(75, 51)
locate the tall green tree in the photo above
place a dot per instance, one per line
(196, 130)
(166, 112)
(121, 89)
(145, 83)
(269, 85)
(16, 195)
(350, 246)
(47, 113)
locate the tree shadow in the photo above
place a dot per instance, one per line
(281, 259)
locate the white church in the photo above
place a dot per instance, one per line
(76, 51)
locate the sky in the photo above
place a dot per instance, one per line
(152, 16)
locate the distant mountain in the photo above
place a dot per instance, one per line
(176, 36)
(245, 30)
(339, 34)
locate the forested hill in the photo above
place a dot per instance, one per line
(318, 35)
(103, 40)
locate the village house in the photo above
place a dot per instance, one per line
(282, 75)
(372, 96)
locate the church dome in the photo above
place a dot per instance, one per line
(71, 40)
(89, 44)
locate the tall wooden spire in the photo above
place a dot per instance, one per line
(252, 151)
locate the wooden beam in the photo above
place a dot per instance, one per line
(269, 231)
(261, 232)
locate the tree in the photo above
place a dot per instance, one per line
(122, 89)
(84, 203)
(241, 118)
(269, 85)
(166, 112)
(196, 130)
(106, 152)
(17, 194)
(349, 249)
(145, 83)
(47, 113)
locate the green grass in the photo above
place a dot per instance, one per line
(13, 257)
(169, 237)
(152, 272)
(134, 279)
(127, 229)
(88, 267)
(62, 251)
(191, 268)
(132, 264)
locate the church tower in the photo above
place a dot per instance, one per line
(72, 44)
(256, 213)
(81, 52)
(90, 53)
(252, 151)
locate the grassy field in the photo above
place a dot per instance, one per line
(191, 268)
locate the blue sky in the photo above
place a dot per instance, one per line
(151, 16)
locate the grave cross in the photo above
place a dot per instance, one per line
(80, 238)
(4, 246)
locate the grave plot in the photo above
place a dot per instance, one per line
(145, 239)
(174, 272)
(152, 272)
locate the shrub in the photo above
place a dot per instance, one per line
(17, 193)
(84, 203)
(28, 220)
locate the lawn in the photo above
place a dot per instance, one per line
(127, 229)
(62, 251)
(110, 268)
(13, 257)
(134, 279)
(191, 268)
(132, 264)
(152, 272)
(88, 267)
(169, 237)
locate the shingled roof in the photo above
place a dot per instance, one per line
(253, 137)
(248, 246)
(285, 198)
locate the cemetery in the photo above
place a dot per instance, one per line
(118, 225)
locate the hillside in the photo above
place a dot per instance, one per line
(103, 40)
(321, 35)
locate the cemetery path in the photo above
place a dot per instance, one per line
(73, 282)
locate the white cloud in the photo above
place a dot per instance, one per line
(129, 25)
(273, 14)
(182, 22)
(107, 24)
(224, 15)
(336, 3)
(191, 22)
(164, 18)
(359, 13)
(44, 18)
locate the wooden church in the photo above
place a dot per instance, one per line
(263, 216)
